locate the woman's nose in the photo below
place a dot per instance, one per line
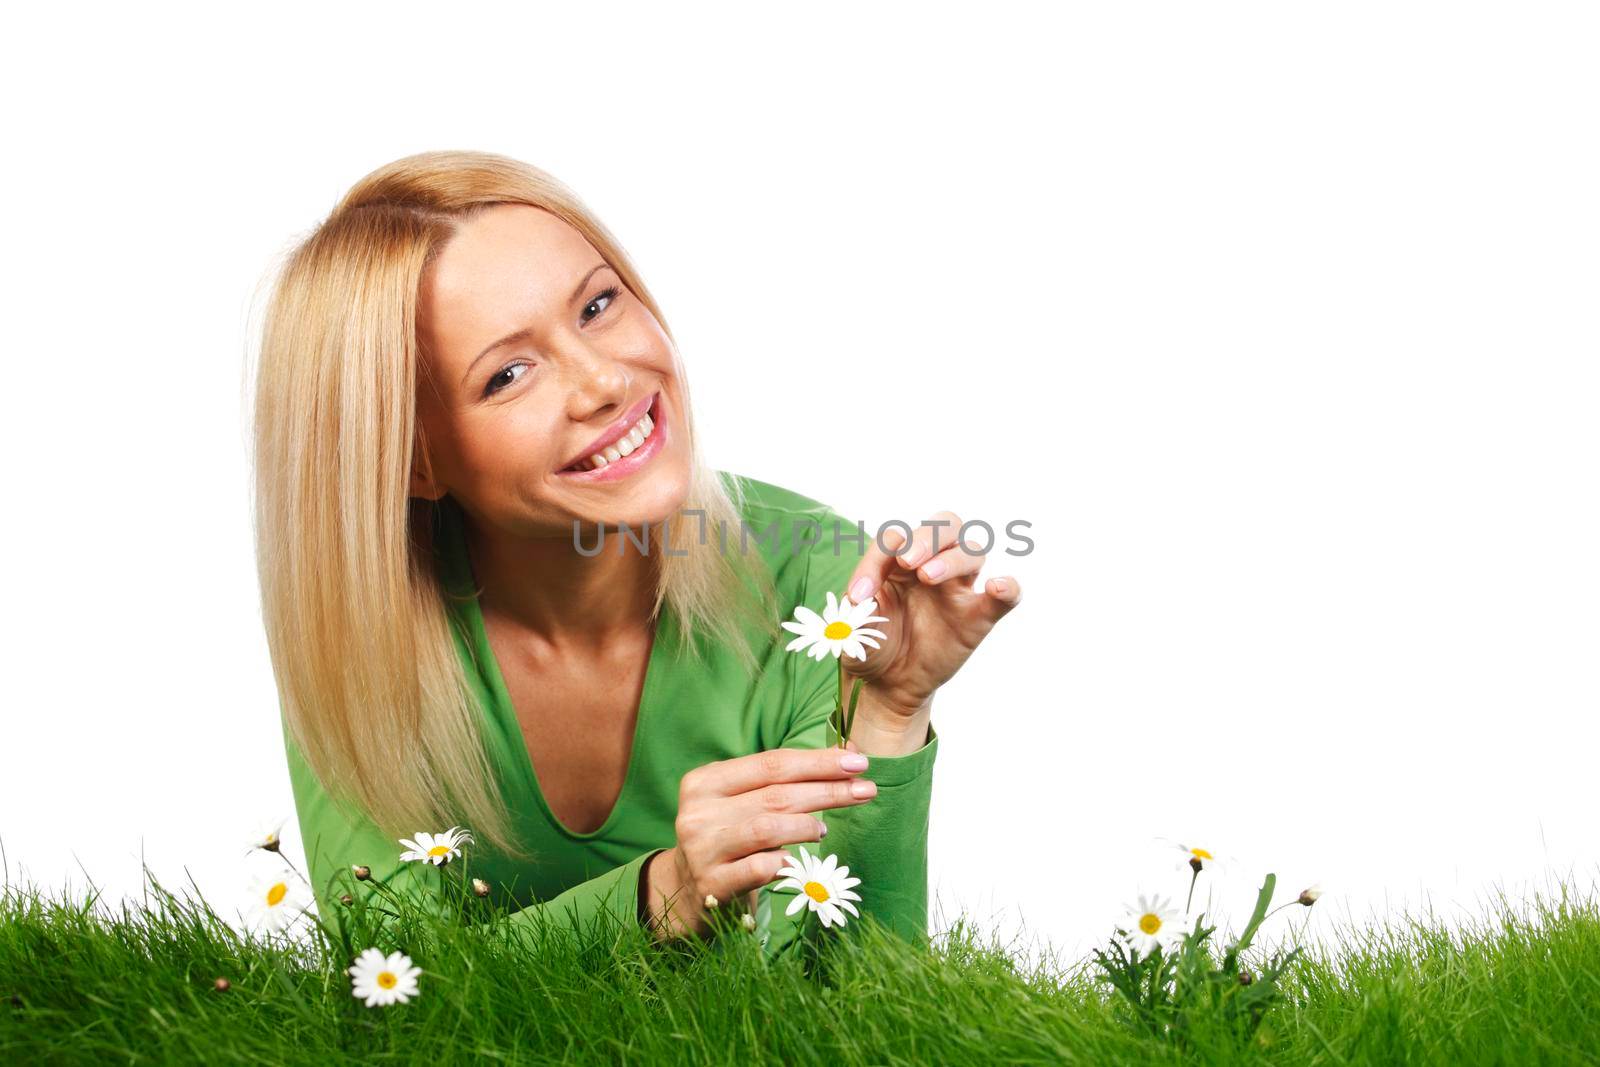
(595, 382)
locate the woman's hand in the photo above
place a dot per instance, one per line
(734, 816)
(935, 619)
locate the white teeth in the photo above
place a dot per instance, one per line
(632, 440)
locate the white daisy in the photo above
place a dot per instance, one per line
(380, 979)
(842, 627)
(1190, 854)
(1193, 854)
(437, 849)
(268, 835)
(277, 900)
(1155, 921)
(822, 885)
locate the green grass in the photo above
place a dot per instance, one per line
(81, 984)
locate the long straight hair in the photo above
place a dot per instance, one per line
(354, 601)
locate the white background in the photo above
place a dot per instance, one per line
(1278, 325)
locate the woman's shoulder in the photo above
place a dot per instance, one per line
(810, 545)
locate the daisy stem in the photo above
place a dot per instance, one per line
(847, 718)
(1193, 878)
(839, 704)
(850, 719)
(292, 867)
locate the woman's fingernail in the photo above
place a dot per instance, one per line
(860, 588)
(822, 829)
(853, 761)
(863, 787)
(936, 568)
(913, 557)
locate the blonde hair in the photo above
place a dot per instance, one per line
(354, 600)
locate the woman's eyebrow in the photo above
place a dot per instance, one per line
(513, 338)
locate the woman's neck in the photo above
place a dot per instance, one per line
(569, 600)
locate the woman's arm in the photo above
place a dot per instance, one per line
(884, 842)
(335, 841)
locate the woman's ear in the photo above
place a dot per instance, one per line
(424, 487)
(422, 481)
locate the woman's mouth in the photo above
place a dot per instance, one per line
(636, 447)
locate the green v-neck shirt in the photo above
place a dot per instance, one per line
(689, 714)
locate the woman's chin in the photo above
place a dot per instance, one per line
(635, 501)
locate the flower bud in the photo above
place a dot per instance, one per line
(1309, 896)
(480, 887)
(711, 901)
(362, 873)
(749, 922)
(346, 899)
(223, 985)
(1245, 977)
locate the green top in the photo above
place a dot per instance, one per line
(689, 715)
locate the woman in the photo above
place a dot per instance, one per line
(464, 388)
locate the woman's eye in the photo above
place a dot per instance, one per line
(608, 294)
(501, 379)
(505, 377)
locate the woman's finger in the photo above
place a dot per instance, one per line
(802, 796)
(936, 533)
(730, 777)
(952, 561)
(760, 833)
(1001, 595)
(731, 881)
(898, 552)
(754, 871)
(875, 565)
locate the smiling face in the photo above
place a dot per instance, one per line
(538, 358)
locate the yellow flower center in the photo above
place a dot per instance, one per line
(1149, 923)
(387, 979)
(837, 631)
(276, 894)
(439, 850)
(817, 891)
(1201, 853)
